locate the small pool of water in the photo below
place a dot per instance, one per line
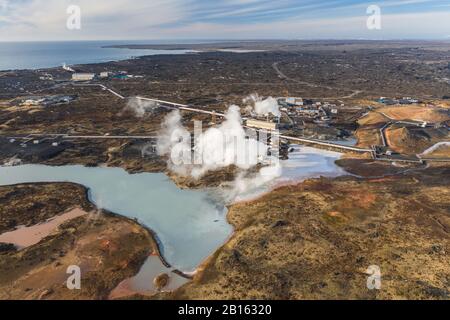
(350, 142)
(144, 282)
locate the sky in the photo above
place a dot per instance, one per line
(32, 20)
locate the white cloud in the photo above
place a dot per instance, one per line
(394, 26)
(46, 19)
(186, 19)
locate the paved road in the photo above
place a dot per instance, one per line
(435, 147)
(383, 134)
(99, 85)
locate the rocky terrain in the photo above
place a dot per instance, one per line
(316, 240)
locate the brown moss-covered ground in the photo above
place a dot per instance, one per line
(108, 248)
(370, 168)
(28, 205)
(317, 239)
(416, 112)
(414, 140)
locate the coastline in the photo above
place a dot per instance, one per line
(77, 53)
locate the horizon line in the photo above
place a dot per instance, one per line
(447, 39)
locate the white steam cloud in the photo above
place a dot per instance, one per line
(263, 107)
(227, 145)
(175, 141)
(217, 148)
(140, 107)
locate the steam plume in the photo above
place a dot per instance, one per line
(217, 148)
(263, 107)
(140, 107)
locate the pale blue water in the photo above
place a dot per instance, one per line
(350, 142)
(303, 163)
(189, 224)
(37, 55)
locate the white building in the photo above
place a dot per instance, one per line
(83, 76)
(258, 124)
(104, 74)
(46, 76)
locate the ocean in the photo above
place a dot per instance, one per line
(37, 55)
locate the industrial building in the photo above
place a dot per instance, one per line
(44, 100)
(83, 76)
(404, 100)
(46, 77)
(104, 75)
(294, 101)
(259, 124)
